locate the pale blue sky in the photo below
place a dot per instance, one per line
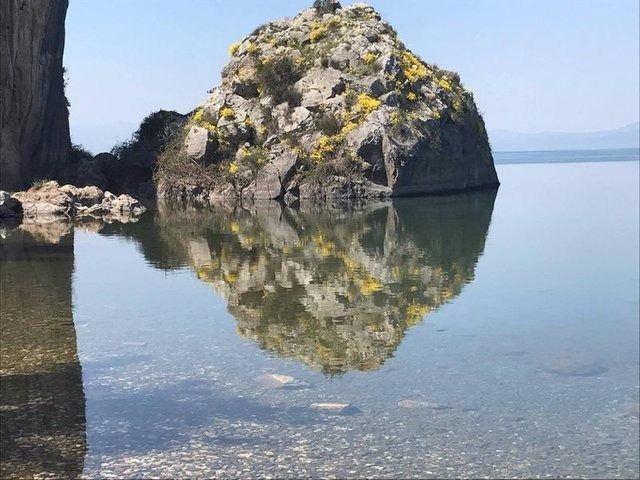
(543, 65)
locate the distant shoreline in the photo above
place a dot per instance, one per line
(567, 156)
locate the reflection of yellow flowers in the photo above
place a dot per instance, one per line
(369, 286)
(325, 247)
(415, 313)
(350, 263)
(235, 228)
(446, 293)
(230, 278)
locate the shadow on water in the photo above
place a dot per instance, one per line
(42, 412)
(333, 286)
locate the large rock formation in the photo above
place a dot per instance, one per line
(329, 104)
(34, 119)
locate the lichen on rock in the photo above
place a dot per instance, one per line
(353, 111)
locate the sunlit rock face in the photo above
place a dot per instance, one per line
(42, 403)
(335, 288)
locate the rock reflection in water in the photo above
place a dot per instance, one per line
(42, 411)
(333, 287)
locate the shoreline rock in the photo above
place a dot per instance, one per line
(9, 206)
(49, 201)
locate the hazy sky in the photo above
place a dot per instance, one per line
(556, 65)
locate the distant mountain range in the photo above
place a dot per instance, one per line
(100, 138)
(624, 137)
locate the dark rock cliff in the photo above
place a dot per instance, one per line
(34, 119)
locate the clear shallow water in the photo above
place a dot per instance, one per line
(487, 334)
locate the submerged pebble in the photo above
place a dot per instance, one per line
(278, 381)
(409, 403)
(335, 408)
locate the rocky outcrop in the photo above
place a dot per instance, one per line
(50, 201)
(129, 167)
(9, 206)
(337, 94)
(34, 123)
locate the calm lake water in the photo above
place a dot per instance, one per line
(487, 334)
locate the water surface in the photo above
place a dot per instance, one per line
(493, 333)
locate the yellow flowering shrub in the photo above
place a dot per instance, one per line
(252, 155)
(252, 48)
(326, 146)
(367, 104)
(227, 112)
(456, 104)
(233, 48)
(411, 96)
(413, 67)
(244, 73)
(445, 84)
(396, 118)
(318, 30)
(369, 58)
(198, 119)
(233, 168)
(209, 126)
(198, 115)
(348, 127)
